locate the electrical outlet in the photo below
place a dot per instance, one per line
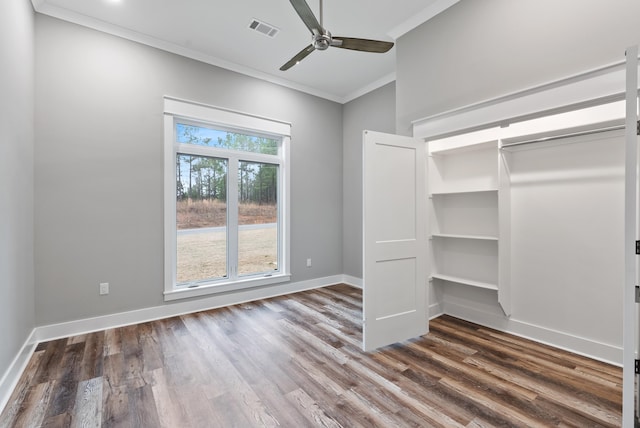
(308, 262)
(104, 288)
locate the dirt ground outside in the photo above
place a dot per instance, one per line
(203, 255)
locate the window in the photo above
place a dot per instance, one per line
(226, 200)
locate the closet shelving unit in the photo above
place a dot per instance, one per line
(464, 182)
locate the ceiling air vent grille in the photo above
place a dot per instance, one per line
(264, 28)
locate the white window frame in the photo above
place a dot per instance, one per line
(176, 110)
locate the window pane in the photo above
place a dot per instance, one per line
(202, 136)
(257, 218)
(201, 216)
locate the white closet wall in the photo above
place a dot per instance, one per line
(567, 226)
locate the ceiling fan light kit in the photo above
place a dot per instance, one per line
(322, 39)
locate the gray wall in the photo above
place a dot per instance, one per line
(98, 158)
(374, 111)
(480, 49)
(16, 178)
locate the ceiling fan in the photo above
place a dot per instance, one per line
(321, 39)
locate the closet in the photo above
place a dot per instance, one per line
(531, 215)
(534, 208)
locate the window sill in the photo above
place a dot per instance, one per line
(224, 287)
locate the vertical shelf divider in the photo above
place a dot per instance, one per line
(504, 224)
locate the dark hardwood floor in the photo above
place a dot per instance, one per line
(295, 361)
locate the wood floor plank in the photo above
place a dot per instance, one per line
(88, 405)
(228, 412)
(16, 401)
(50, 362)
(150, 347)
(133, 357)
(142, 407)
(460, 369)
(34, 406)
(115, 407)
(171, 411)
(272, 398)
(252, 406)
(115, 398)
(310, 409)
(112, 342)
(296, 360)
(92, 356)
(336, 407)
(560, 368)
(557, 396)
(63, 420)
(66, 381)
(513, 416)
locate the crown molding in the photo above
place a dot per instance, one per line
(421, 17)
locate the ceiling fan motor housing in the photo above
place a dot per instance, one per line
(321, 41)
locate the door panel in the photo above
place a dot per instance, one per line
(630, 405)
(395, 246)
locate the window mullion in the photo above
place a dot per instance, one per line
(232, 218)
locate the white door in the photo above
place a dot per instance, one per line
(630, 319)
(395, 239)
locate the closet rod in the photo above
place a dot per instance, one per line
(561, 136)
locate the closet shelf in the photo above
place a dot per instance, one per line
(465, 281)
(460, 192)
(458, 236)
(464, 148)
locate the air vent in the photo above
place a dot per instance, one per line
(264, 28)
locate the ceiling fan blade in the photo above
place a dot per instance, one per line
(307, 16)
(364, 45)
(299, 57)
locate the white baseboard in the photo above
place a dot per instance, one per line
(352, 281)
(88, 325)
(435, 310)
(578, 345)
(11, 377)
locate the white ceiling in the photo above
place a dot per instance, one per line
(217, 32)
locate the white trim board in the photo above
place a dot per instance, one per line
(435, 310)
(353, 281)
(630, 308)
(436, 7)
(578, 345)
(45, 8)
(10, 379)
(88, 325)
(594, 87)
